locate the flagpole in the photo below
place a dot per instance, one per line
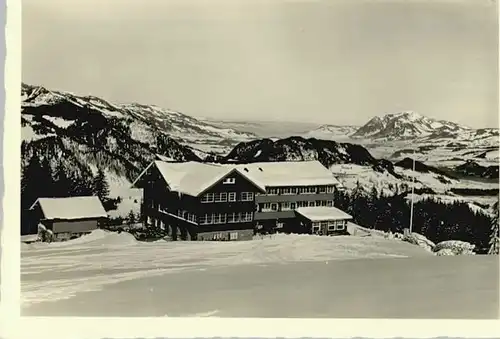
(412, 193)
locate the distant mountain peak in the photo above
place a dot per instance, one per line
(406, 125)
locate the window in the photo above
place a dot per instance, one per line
(285, 190)
(322, 189)
(192, 217)
(218, 236)
(209, 197)
(331, 225)
(323, 203)
(318, 202)
(311, 203)
(285, 206)
(210, 219)
(272, 191)
(246, 196)
(274, 207)
(329, 203)
(220, 197)
(162, 225)
(219, 218)
(329, 189)
(340, 225)
(232, 196)
(233, 236)
(293, 190)
(266, 207)
(293, 205)
(308, 190)
(246, 216)
(315, 229)
(229, 181)
(324, 223)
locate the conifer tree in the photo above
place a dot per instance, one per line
(62, 184)
(101, 187)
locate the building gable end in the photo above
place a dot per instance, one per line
(228, 175)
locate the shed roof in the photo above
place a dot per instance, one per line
(69, 208)
(321, 213)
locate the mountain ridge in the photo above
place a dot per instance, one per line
(78, 136)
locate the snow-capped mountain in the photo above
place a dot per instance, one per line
(65, 107)
(407, 125)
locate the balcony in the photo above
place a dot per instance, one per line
(274, 215)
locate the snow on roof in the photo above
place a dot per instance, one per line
(321, 213)
(71, 208)
(164, 158)
(193, 177)
(289, 173)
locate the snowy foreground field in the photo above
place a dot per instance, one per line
(110, 274)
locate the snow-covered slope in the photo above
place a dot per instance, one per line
(178, 256)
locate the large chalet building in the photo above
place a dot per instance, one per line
(205, 201)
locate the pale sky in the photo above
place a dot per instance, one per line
(323, 61)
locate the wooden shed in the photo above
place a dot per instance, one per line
(69, 217)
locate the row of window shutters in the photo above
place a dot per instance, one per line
(249, 196)
(284, 206)
(207, 219)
